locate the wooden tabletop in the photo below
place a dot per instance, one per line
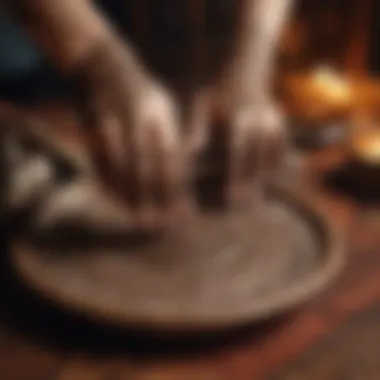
(336, 336)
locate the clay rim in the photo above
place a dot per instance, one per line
(331, 247)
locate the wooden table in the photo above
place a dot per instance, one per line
(336, 336)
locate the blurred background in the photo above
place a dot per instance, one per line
(329, 63)
(328, 82)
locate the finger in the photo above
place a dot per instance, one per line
(171, 179)
(112, 159)
(112, 134)
(103, 144)
(212, 161)
(97, 120)
(196, 139)
(245, 159)
(196, 135)
(145, 151)
(158, 168)
(276, 144)
(115, 165)
(177, 204)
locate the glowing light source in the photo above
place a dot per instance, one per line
(331, 84)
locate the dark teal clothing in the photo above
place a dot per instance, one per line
(24, 73)
(17, 54)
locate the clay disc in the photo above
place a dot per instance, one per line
(219, 272)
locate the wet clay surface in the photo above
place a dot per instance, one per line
(220, 269)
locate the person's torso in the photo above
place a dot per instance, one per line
(17, 53)
(181, 40)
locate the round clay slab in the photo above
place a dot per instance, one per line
(219, 272)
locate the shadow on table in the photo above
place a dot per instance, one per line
(359, 183)
(43, 324)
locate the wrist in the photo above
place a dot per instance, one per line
(108, 63)
(64, 30)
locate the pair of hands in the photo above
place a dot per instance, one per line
(146, 153)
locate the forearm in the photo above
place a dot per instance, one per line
(262, 22)
(65, 29)
(68, 31)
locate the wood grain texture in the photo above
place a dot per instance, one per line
(350, 353)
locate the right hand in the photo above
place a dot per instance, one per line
(132, 129)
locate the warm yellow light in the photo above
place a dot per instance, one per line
(331, 84)
(368, 147)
